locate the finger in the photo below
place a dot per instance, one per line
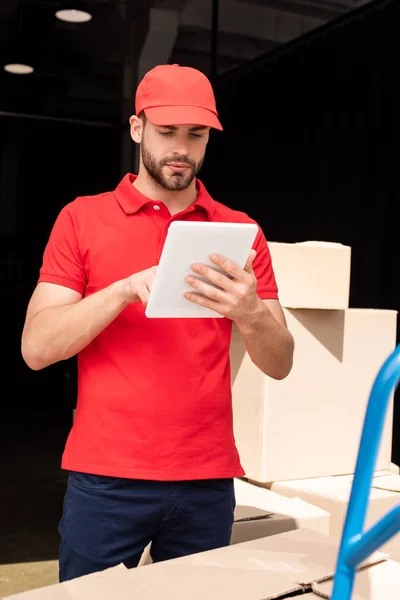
(143, 292)
(150, 280)
(228, 266)
(205, 288)
(204, 301)
(216, 277)
(249, 264)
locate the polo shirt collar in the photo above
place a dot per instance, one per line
(131, 200)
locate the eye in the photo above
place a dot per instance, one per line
(198, 135)
(165, 132)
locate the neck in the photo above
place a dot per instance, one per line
(175, 201)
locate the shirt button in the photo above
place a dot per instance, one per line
(156, 207)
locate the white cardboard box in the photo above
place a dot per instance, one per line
(312, 274)
(291, 563)
(309, 424)
(332, 494)
(302, 514)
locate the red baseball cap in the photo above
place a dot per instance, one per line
(175, 95)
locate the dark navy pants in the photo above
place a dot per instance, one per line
(107, 521)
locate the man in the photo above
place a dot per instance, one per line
(151, 454)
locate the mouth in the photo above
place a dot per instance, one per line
(178, 167)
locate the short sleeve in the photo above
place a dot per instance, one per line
(263, 269)
(62, 263)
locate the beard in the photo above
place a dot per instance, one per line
(174, 181)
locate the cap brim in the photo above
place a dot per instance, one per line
(182, 115)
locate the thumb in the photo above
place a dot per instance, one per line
(249, 264)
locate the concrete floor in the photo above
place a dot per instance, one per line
(22, 577)
(31, 496)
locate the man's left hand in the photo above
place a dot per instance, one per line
(235, 296)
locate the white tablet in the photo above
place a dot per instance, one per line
(190, 242)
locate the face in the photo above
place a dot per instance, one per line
(172, 155)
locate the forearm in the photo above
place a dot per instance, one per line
(269, 344)
(60, 332)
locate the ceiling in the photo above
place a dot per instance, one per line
(89, 71)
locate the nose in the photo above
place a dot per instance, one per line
(180, 148)
(180, 151)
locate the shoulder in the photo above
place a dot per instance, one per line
(221, 212)
(85, 209)
(91, 204)
(224, 213)
(81, 216)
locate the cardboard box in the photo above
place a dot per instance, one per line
(260, 513)
(309, 424)
(332, 495)
(393, 470)
(371, 583)
(292, 563)
(286, 511)
(312, 274)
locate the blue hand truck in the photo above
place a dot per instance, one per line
(356, 544)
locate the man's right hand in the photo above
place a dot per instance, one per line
(60, 323)
(137, 287)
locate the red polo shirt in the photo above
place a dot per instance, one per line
(154, 395)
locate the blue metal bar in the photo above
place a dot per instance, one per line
(359, 548)
(353, 544)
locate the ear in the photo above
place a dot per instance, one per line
(136, 128)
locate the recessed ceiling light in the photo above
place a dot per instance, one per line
(73, 16)
(18, 69)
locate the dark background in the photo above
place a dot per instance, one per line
(312, 131)
(309, 149)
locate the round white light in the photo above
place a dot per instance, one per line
(73, 16)
(18, 69)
